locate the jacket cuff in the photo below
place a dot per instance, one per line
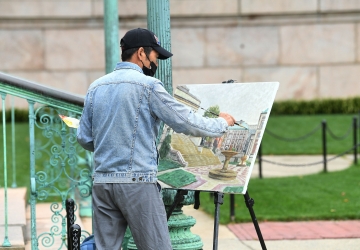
(224, 123)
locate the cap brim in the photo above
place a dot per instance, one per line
(163, 53)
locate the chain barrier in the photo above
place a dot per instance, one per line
(339, 137)
(313, 163)
(294, 139)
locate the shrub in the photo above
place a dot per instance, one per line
(312, 107)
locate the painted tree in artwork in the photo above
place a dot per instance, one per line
(210, 112)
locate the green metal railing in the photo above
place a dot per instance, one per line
(59, 167)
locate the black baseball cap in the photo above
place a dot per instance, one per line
(139, 37)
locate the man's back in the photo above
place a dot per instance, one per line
(122, 126)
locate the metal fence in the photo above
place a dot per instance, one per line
(59, 167)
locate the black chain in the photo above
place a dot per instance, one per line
(339, 137)
(313, 163)
(293, 139)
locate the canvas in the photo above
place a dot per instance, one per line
(221, 164)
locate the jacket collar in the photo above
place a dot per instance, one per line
(128, 65)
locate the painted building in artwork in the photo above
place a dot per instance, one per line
(236, 138)
(255, 140)
(183, 95)
(243, 139)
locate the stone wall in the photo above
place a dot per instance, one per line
(312, 47)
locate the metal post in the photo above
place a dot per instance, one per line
(33, 193)
(324, 144)
(355, 139)
(260, 162)
(111, 30)
(6, 242)
(158, 20)
(70, 218)
(13, 158)
(232, 207)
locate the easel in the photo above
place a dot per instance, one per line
(218, 200)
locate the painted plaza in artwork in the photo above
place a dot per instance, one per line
(221, 164)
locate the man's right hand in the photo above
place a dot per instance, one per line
(229, 118)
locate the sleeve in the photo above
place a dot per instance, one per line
(84, 131)
(181, 118)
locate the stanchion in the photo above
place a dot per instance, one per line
(260, 162)
(324, 144)
(355, 126)
(232, 207)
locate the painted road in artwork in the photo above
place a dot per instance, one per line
(221, 164)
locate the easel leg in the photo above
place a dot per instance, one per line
(249, 203)
(218, 200)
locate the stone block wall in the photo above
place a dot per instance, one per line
(312, 47)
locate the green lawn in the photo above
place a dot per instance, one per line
(333, 195)
(323, 196)
(298, 125)
(22, 150)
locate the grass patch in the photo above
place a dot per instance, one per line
(294, 126)
(323, 196)
(166, 164)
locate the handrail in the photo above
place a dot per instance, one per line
(44, 105)
(27, 89)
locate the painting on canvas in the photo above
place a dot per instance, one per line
(222, 164)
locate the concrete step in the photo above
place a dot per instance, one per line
(16, 217)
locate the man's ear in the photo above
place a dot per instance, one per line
(139, 52)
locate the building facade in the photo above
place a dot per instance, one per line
(311, 47)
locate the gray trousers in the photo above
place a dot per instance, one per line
(117, 205)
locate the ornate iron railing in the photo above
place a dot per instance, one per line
(59, 167)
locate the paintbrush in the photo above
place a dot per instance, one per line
(218, 116)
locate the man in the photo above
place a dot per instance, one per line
(120, 124)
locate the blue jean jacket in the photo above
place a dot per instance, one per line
(121, 119)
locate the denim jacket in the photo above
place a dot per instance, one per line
(121, 119)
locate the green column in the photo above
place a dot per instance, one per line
(179, 224)
(111, 30)
(158, 20)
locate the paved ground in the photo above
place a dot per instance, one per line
(316, 235)
(329, 235)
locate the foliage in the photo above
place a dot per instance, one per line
(20, 115)
(165, 147)
(210, 112)
(323, 196)
(320, 106)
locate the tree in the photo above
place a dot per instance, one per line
(165, 147)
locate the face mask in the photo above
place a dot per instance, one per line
(149, 71)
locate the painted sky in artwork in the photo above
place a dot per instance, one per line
(244, 101)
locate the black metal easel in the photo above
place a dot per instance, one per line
(179, 197)
(219, 200)
(249, 204)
